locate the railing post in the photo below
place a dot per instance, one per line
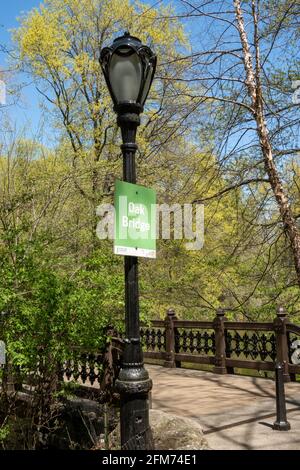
(282, 353)
(220, 355)
(170, 338)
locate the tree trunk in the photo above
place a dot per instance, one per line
(255, 92)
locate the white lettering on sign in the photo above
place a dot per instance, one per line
(136, 209)
(135, 224)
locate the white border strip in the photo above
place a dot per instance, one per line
(129, 251)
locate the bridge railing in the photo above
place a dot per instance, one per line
(224, 344)
(96, 368)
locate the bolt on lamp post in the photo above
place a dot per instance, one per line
(128, 67)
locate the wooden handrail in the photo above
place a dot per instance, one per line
(259, 326)
(193, 324)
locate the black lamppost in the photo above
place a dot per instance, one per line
(128, 68)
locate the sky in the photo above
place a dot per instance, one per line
(26, 112)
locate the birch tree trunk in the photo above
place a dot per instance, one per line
(255, 92)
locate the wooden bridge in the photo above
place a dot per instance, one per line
(235, 411)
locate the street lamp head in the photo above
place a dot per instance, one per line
(128, 67)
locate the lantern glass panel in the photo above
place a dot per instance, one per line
(125, 74)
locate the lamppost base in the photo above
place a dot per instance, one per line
(134, 409)
(281, 426)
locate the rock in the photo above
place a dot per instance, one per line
(171, 432)
(73, 423)
(81, 423)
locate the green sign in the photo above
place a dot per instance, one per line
(135, 220)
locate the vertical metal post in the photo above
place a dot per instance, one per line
(281, 423)
(133, 382)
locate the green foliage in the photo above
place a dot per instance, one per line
(60, 286)
(46, 311)
(4, 432)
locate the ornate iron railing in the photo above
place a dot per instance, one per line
(154, 338)
(195, 341)
(252, 345)
(224, 344)
(94, 368)
(84, 367)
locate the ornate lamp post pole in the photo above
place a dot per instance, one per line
(128, 67)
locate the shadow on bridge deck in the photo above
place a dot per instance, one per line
(236, 412)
